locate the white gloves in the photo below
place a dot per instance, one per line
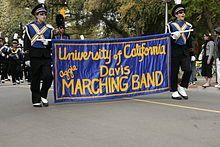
(175, 35)
(45, 42)
(193, 58)
(27, 63)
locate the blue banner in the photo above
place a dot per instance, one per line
(110, 68)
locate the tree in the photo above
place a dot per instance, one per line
(205, 14)
(111, 18)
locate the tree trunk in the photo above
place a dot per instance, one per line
(208, 17)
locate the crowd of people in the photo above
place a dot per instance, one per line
(33, 57)
(31, 61)
(12, 63)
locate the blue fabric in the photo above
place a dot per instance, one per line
(32, 32)
(180, 41)
(62, 37)
(124, 67)
(5, 51)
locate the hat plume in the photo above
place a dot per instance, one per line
(41, 1)
(178, 2)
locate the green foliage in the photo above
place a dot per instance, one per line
(111, 18)
(204, 15)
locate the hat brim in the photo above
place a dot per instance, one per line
(39, 8)
(178, 8)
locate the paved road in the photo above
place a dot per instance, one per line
(149, 121)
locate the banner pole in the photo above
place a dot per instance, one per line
(166, 16)
(183, 31)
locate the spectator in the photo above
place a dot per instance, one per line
(193, 59)
(217, 49)
(207, 58)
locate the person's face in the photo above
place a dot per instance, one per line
(14, 44)
(41, 16)
(180, 15)
(205, 37)
(1, 42)
(62, 30)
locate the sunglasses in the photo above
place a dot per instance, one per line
(14, 43)
(180, 12)
(43, 14)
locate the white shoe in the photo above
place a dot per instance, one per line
(44, 102)
(176, 96)
(37, 105)
(217, 86)
(182, 92)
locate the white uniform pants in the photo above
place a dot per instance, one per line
(218, 70)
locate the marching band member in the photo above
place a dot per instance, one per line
(180, 56)
(4, 61)
(60, 34)
(15, 58)
(39, 51)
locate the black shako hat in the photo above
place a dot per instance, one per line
(39, 8)
(177, 8)
(60, 21)
(15, 40)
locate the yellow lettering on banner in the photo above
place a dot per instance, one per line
(147, 80)
(78, 87)
(67, 85)
(127, 47)
(141, 51)
(103, 83)
(123, 85)
(115, 84)
(143, 81)
(85, 55)
(135, 82)
(93, 86)
(158, 78)
(127, 70)
(112, 71)
(105, 71)
(69, 73)
(86, 85)
(112, 84)
(163, 48)
(150, 79)
(101, 54)
(64, 54)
